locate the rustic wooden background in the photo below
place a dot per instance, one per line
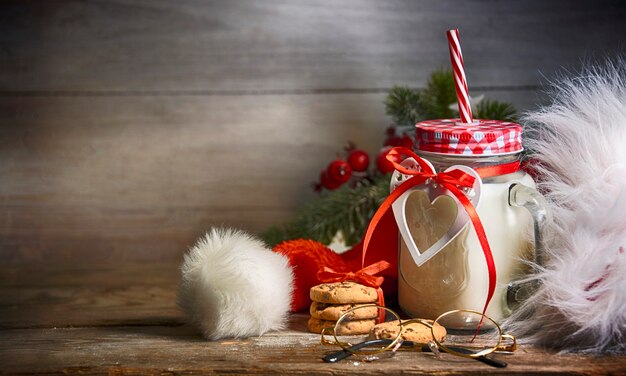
(129, 127)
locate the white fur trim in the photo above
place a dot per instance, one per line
(580, 143)
(234, 286)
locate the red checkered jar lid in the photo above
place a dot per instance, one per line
(482, 137)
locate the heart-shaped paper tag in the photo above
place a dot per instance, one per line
(436, 194)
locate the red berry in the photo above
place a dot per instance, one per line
(327, 182)
(399, 141)
(358, 160)
(393, 141)
(339, 171)
(384, 165)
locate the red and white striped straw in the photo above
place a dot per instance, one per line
(460, 82)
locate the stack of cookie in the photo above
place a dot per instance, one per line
(331, 300)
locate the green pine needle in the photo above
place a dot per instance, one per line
(490, 109)
(409, 106)
(404, 105)
(348, 210)
(439, 94)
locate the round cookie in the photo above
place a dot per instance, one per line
(351, 327)
(327, 311)
(414, 331)
(343, 293)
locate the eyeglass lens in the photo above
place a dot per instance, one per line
(470, 331)
(356, 325)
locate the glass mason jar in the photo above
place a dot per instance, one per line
(456, 276)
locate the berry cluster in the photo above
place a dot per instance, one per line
(341, 171)
(354, 167)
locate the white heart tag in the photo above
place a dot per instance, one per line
(435, 192)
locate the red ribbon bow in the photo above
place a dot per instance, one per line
(452, 181)
(364, 276)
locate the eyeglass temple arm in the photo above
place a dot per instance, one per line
(483, 358)
(342, 354)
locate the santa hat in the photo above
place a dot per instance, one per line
(233, 285)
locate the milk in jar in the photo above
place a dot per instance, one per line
(456, 277)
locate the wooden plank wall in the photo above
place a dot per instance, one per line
(129, 127)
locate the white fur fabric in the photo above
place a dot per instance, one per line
(580, 144)
(234, 286)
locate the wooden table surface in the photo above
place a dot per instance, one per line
(123, 319)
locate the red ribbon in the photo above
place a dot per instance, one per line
(503, 169)
(452, 181)
(364, 276)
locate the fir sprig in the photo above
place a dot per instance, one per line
(404, 105)
(409, 106)
(438, 95)
(490, 109)
(346, 210)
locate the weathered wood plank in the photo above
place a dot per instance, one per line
(45, 296)
(130, 179)
(212, 46)
(176, 350)
(118, 178)
(89, 306)
(160, 274)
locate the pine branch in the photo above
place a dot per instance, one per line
(404, 105)
(439, 94)
(490, 109)
(348, 210)
(408, 106)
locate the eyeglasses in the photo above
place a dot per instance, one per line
(464, 333)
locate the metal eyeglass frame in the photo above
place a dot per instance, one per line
(434, 345)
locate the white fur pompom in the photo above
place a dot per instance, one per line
(580, 146)
(234, 286)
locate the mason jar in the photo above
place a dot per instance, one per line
(453, 274)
